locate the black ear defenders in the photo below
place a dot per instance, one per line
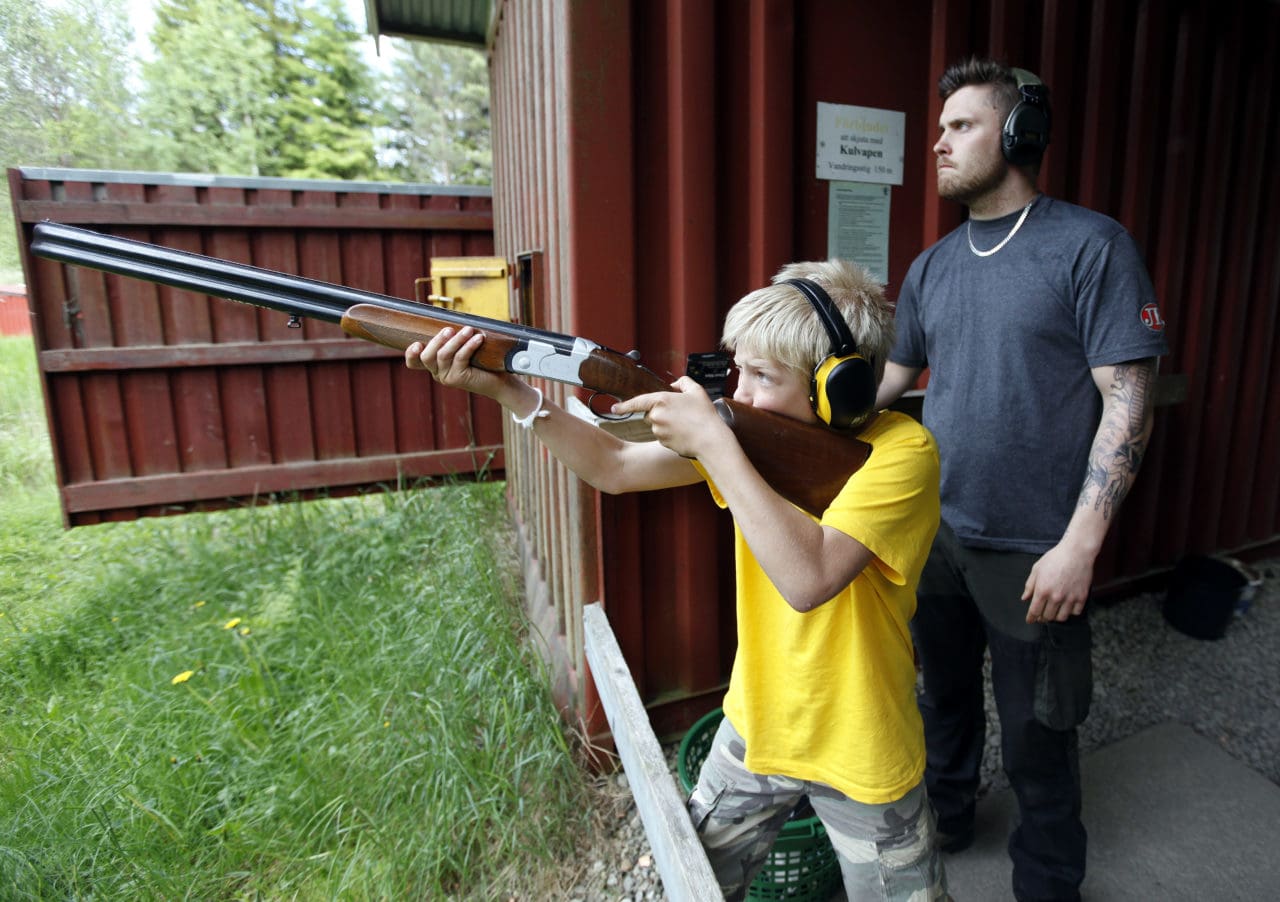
(843, 388)
(1026, 131)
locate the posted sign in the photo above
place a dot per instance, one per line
(860, 144)
(858, 225)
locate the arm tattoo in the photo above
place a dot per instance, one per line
(1121, 440)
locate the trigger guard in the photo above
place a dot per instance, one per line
(605, 415)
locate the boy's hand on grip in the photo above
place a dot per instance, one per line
(447, 357)
(683, 420)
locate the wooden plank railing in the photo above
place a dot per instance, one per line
(682, 863)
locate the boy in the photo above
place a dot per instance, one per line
(821, 701)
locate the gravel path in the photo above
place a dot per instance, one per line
(1145, 673)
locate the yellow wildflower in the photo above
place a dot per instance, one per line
(244, 630)
(182, 677)
(231, 624)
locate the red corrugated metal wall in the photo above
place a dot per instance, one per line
(661, 155)
(161, 401)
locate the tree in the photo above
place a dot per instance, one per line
(207, 91)
(271, 87)
(440, 108)
(326, 101)
(64, 95)
(257, 87)
(64, 100)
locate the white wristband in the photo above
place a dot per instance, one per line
(526, 422)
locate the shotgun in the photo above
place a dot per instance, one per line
(806, 464)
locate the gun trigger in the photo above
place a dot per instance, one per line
(294, 322)
(604, 414)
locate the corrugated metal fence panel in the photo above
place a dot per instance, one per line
(1165, 117)
(160, 400)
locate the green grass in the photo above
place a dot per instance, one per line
(25, 461)
(315, 700)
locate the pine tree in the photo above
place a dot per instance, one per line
(325, 105)
(260, 87)
(440, 101)
(207, 91)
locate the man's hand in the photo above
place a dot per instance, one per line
(1058, 585)
(683, 420)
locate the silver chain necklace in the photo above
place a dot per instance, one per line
(1017, 225)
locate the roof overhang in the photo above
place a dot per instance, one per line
(464, 22)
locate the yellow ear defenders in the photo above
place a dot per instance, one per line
(843, 388)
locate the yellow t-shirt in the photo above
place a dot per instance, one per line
(829, 695)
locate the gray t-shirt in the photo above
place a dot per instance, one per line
(1009, 340)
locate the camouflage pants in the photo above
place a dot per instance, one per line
(886, 852)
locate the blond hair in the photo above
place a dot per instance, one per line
(778, 322)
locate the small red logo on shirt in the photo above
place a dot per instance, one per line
(1151, 318)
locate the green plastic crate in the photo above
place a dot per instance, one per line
(801, 865)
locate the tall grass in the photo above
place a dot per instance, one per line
(316, 700)
(25, 463)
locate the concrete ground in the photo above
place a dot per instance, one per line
(1170, 817)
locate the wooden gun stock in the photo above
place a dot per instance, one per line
(806, 464)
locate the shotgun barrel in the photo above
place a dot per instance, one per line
(294, 295)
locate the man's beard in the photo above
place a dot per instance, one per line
(968, 188)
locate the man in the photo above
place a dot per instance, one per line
(1038, 323)
(821, 701)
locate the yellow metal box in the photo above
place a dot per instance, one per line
(475, 285)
